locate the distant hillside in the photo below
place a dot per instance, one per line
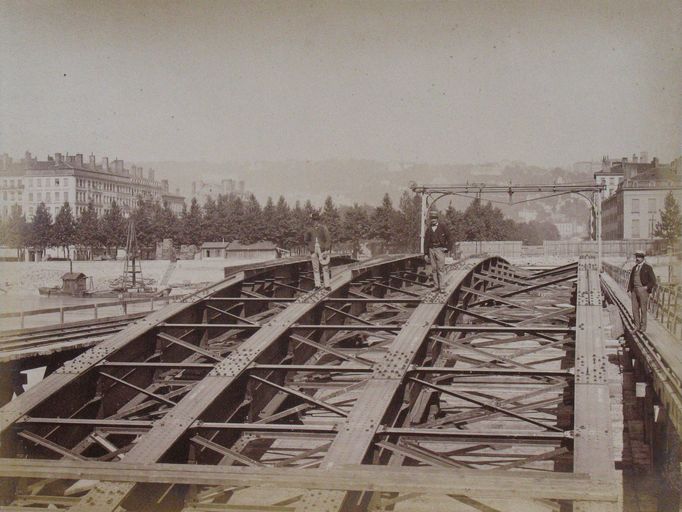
(350, 181)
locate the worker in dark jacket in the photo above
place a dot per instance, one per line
(319, 242)
(436, 246)
(642, 283)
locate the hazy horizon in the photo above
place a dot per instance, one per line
(546, 83)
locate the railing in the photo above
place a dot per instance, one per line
(665, 303)
(96, 309)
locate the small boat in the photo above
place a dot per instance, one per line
(73, 284)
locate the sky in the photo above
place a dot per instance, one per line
(544, 82)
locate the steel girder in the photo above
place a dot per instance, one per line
(375, 396)
(233, 325)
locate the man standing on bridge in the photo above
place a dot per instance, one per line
(642, 283)
(436, 246)
(319, 242)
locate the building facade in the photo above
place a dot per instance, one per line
(202, 190)
(68, 178)
(174, 200)
(613, 172)
(632, 212)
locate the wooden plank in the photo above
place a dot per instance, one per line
(593, 443)
(493, 483)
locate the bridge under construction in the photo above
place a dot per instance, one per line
(515, 389)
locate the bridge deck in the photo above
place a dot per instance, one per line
(659, 348)
(260, 394)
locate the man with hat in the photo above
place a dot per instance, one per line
(436, 246)
(318, 241)
(642, 282)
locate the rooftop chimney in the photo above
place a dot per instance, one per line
(655, 161)
(105, 163)
(58, 158)
(91, 161)
(634, 158)
(78, 159)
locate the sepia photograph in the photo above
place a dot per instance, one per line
(341, 256)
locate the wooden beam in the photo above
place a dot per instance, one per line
(491, 484)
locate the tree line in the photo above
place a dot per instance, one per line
(230, 217)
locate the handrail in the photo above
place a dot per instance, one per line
(665, 303)
(78, 307)
(96, 307)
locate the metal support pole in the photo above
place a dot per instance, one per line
(422, 229)
(598, 197)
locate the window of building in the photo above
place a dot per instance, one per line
(48, 197)
(635, 205)
(652, 205)
(11, 183)
(40, 196)
(30, 211)
(11, 196)
(30, 196)
(4, 183)
(66, 196)
(39, 182)
(65, 181)
(635, 228)
(4, 195)
(19, 183)
(30, 182)
(56, 196)
(56, 181)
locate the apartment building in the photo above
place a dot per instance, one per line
(68, 178)
(634, 209)
(613, 172)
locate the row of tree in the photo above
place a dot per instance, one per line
(231, 218)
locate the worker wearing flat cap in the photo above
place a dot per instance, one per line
(319, 242)
(436, 246)
(642, 282)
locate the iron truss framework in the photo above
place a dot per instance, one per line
(51, 346)
(262, 394)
